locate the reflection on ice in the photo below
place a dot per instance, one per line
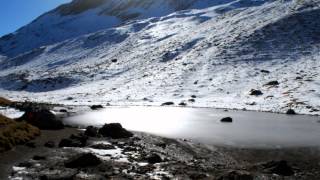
(251, 129)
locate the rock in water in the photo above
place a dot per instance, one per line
(96, 107)
(167, 104)
(115, 131)
(83, 160)
(43, 119)
(291, 112)
(227, 120)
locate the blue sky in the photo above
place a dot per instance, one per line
(17, 13)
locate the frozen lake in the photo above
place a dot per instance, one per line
(249, 129)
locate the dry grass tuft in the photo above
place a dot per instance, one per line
(13, 133)
(5, 102)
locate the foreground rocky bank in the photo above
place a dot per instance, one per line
(112, 152)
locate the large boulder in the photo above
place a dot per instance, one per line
(83, 160)
(43, 119)
(115, 131)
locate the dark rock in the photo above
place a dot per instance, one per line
(194, 96)
(265, 71)
(299, 78)
(145, 169)
(192, 100)
(69, 98)
(154, 158)
(227, 120)
(279, 167)
(167, 104)
(31, 144)
(37, 158)
(74, 141)
(115, 131)
(96, 107)
(236, 175)
(291, 112)
(50, 144)
(162, 145)
(272, 83)
(43, 119)
(83, 160)
(102, 146)
(25, 164)
(182, 104)
(63, 110)
(91, 131)
(114, 60)
(66, 174)
(255, 92)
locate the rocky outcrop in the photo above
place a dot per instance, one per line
(43, 119)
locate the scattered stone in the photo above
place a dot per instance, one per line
(25, 164)
(167, 104)
(66, 174)
(31, 144)
(38, 158)
(272, 83)
(114, 60)
(69, 98)
(254, 92)
(96, 107)
(102, 146)
(299, 78)
(291, 112)
(265, 71)
(182, 104)
(63, 110)
(192, 100)
(50, 144)
(194, 96)
(91, 131)
(236, 175)
(83, 160)
(227, 120)
(115, 131)
(43, 119)
(145, 169)
(154, 158)
(279, 167)
(74, 141)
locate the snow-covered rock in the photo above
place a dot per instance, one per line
(217, 52)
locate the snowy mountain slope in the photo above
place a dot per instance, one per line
(217, 53)
(86, 16)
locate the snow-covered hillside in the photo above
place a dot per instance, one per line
(218, 53)
(86, 16)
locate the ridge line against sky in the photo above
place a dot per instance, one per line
(17, 13)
